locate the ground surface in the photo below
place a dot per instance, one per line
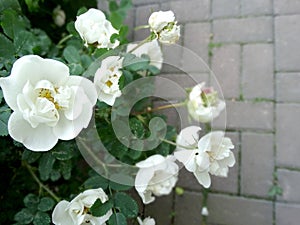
(253, 48)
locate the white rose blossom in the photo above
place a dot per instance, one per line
(164, 26)
(152, 49)
(146, 221)
(94, 28)
(204, 104)
(210, 155)
(107, 79)
(48, 104)
(157, 176)
(76, 212)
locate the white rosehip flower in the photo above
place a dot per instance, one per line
(152, 49)
(159, 20)
(59, 16)
(107, 79)
(170, 35)
(210, 155)
(146, 221)
(94, 28)
(48, 104)
(157, 176)
(164, 26)
(204, 104)
(77, 211)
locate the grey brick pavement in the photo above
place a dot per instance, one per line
(253, 48)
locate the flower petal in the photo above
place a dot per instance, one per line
(143, 178)
(203, 178)
(40, 138)
(60, 215)
(188, 137)
(187, 157)
(69, 129)
(87, 85)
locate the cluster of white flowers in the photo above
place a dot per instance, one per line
(77, 211)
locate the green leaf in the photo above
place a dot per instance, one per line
(76, 69)
(126, 78)
(117, 219)
(81, 10)
(1, 96)
(12, 23)
(133, 63)
(4, 116)
(71, 28)
(31, 201)
(96, 182)
(71, 54)
(21, 42)
(24, 216)
(31, 156)
(41, 218)
(123, 184)
(66, 169)
(9, 49)
(13, 4)
(46, 204)
(55, 175)
(33, 5)
(63, 151)
(113, 6)
(100, 209)
(137, 127)
(126, 204)
(86, 61)
(45, 165)
(116, 20)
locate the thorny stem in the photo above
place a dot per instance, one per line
(41, 185)
(149, 109)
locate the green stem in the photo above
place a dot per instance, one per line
(177, 145)
(59, 44)
(141, 27)
(149, 109)
(140, 44)
(41, 185)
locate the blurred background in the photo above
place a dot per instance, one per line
(253, 48)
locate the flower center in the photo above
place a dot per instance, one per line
(109, 83)
(46, 93)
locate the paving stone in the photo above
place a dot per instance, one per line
(258, 78)
(225, 8)
(257, 164)
(145, 2)
(230, 183)
(231, 210)
(161, 209)
(252, 29)
(289, 181)
(287, 43)
(256, 7)
(189, 11)
(195, 53)
(141, 18)
(287, 135)
(226, 64)
(172, 58)
(188, 209)
(286, 6)
(246, 115)
(287, 214)
(288, 87)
